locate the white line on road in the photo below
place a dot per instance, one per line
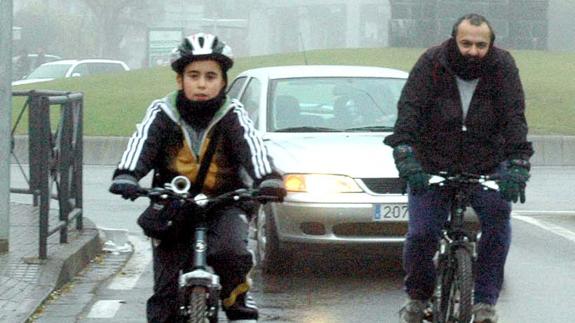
(543, 212)
(136, 265)
(558, 230)
(104, 309)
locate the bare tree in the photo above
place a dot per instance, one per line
(113, 18)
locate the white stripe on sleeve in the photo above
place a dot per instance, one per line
(258, 150)
(132, 154)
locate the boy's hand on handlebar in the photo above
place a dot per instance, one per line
(127, 186)
(272, 187)
(514, 180)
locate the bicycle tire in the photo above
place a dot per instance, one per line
(453, 299)
(465, 281)
(441, 296)
(198, 306)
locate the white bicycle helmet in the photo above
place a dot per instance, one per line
(201, 46)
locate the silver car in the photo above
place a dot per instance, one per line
(324, 127)
(72, 68)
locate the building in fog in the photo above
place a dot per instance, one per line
(262, 27)
(518, 24)
(291, 25)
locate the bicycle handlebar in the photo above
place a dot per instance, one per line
(177, 190)
(444, 179)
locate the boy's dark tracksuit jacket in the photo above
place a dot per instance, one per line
(164, 143)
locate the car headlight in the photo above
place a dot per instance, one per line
(318, 183)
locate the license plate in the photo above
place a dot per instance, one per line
(390, 212)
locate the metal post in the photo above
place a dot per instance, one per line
(35, 145)
(40, 148)
(64, 144)
(79, 160)
(5, 120)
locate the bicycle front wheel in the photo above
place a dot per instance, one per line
(453, 296)
(198, 307)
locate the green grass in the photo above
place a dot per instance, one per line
(114, 103)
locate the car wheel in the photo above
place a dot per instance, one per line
(269, 255)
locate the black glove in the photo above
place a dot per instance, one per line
(514, 179)
(125, 185)
(410, 169)
(273, 187)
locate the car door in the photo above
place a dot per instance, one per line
(81, 69)
(234, 90)
(106, 67)
(249, 95)
(251, 98)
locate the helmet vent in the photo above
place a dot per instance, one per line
(200, 45)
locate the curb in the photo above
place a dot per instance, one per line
(60, 268)
(91, 277)
(75, 256)
(553, 150)
(549, 150)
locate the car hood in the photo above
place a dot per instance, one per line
(357, 155)
(30, 81)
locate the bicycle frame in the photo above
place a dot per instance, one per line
(452, 300)
(199, 289)
(202, 276)
(454, 233)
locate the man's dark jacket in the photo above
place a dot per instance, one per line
(431, 119)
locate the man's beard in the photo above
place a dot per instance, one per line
(466, 67)
(198, 114)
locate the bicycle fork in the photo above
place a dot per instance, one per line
(446, 265)
(200, 276)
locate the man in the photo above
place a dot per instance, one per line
(41, 58)
(173, 140)
(461, 110)
(23, 65)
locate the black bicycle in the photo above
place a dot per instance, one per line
(199, 289)
(453, 295)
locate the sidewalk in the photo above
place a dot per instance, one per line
(25, 280)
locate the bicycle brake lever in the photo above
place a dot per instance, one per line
(490, 184)
(435, 179)
(201, 199)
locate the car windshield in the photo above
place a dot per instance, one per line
(49, 71)
(323, 104)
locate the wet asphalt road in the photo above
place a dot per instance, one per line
(347, 286)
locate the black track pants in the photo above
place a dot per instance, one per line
(228, 254)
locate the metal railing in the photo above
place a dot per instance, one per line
(55, 150)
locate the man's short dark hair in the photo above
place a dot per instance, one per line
(474, 19)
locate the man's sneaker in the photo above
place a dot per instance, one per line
(412, 311)
(243, 310)
(484, 313)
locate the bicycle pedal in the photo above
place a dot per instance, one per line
(428, 315)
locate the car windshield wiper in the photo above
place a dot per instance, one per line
(308, 129)
(371, 128)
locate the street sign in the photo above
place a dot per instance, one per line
(16, 33)
(161, 41)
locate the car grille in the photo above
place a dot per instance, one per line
(384, 185)
(376, 229)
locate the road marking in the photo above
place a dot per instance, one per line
(135, 267)
(558, 230)
(544, 212)
(105, 309)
